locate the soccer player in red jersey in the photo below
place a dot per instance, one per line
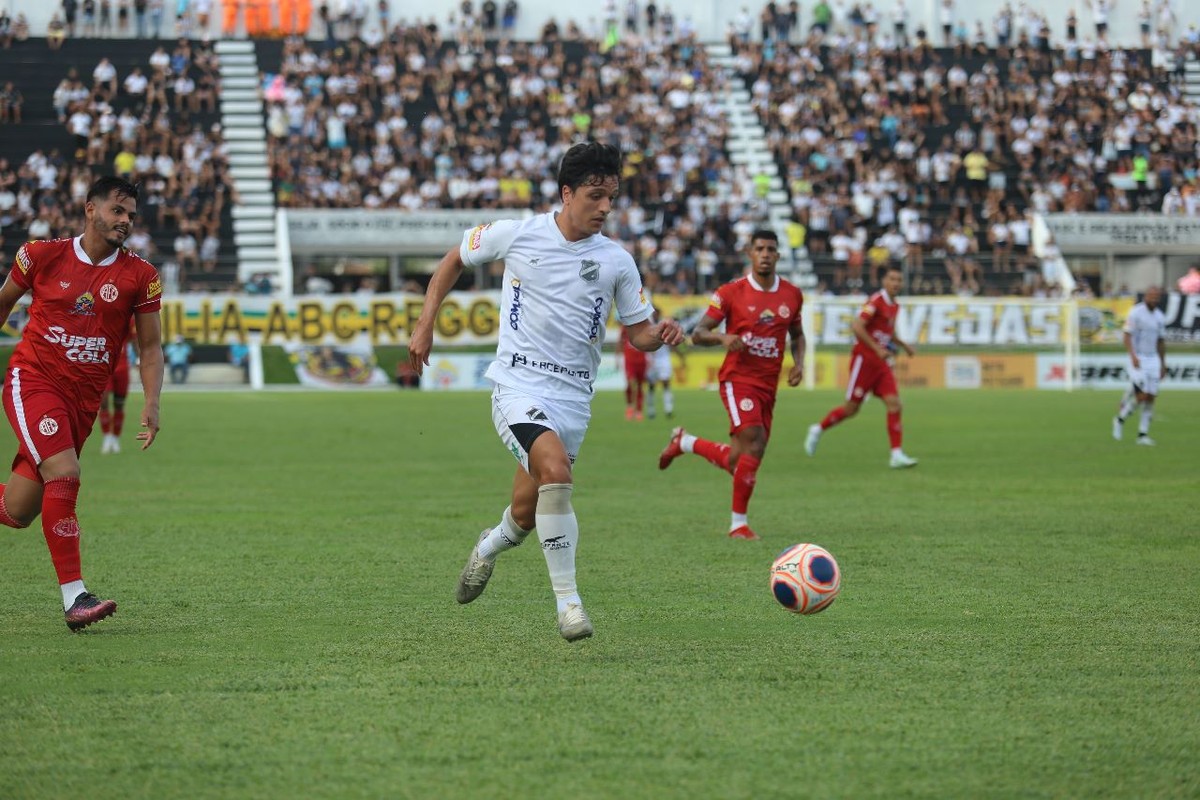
(871, 368)
(112, 402)
(760, 311)
(635, 378)
(85, 291)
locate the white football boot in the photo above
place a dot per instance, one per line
(573, 623)
(1117, 429)
(475, 575)
(901, 461)
(810, 441)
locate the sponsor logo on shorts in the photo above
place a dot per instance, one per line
(85, 305)
(48, 426)
(108, 293)
(536, 414)
(746, 404)
(858, 391)
(24, 262)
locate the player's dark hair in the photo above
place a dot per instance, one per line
(765, 233)
(894, 268)
(588, 163)
(104, 187)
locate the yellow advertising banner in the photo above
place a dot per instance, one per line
(1015, 371)
(699, 369)
(1100, 321)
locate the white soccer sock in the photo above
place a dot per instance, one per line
(687, 443)
(505, 536)
(1144, 423)
(668, 401)
(897, 451)
(738, 520)
(650, 401)
(1128, 403)
(558, 530)
(70, 591)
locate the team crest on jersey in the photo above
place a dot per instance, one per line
(85, 305)
(23, 260)
(108, 293)
(746, 404)
(590, 271)
(785, 312)
(48, 426)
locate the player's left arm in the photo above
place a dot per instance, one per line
(648, 337)
(1162, 357)
(797, 346)
(150, 367)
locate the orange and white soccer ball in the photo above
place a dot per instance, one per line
(805, 578)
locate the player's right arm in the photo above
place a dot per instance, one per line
(420, 343)
(859, 326)
(1133, 359)
(480, 245)
(10, 293)
(707, 335)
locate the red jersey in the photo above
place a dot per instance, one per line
(879, 313)
(80, 315)
(761, 317)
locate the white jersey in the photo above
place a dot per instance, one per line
(1145, 329)
(554, 303)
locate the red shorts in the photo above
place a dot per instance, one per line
(118, 384)
(45, 422)
(870, 375)
(747, 405)
(635, 366)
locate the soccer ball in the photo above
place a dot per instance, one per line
(805, 579)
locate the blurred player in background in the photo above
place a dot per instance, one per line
(635, 364)
(871, 368)
(85, 291)
(760, 311)
(561, 279)
(659, 372)
(1145, 341)
(112, 402)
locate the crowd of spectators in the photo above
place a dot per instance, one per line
(906, 152)
(143, 126)
(416, 122)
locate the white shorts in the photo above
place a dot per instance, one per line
(658, 367)
(1145, 378)
(567, 418)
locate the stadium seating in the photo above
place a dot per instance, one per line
(37, 72)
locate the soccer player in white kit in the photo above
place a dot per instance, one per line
(659, 372)
(1145, 331)
(561, 278)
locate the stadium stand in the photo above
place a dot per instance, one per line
(939, 154)
(144, 108)
(421, 123)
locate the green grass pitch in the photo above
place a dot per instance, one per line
(1019, 617)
